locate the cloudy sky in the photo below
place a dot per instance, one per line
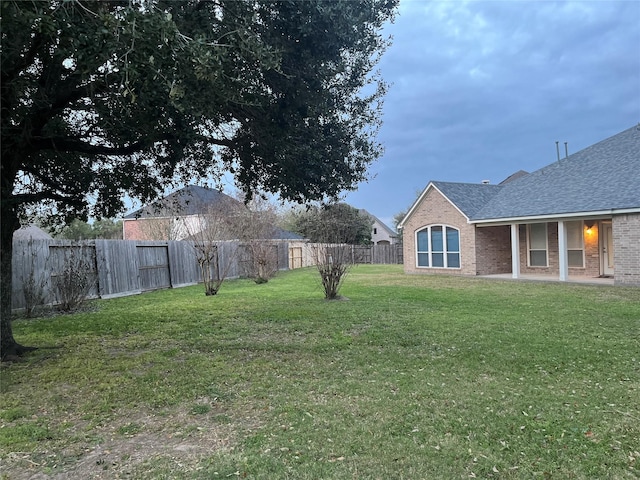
(482, 89)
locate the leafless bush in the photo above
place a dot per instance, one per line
(74, 280)
(209, 229)
(34, 282)
(260, 260)
(333, 262)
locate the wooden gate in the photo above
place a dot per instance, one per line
(154, 266)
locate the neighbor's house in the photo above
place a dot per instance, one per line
(579, 216)
(183, 214)
(381, 234)
(31, 232)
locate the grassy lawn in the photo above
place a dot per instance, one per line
(412, 377)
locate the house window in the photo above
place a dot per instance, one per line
(375, 231)
(575, 244)
(438, 246)
(537, 241)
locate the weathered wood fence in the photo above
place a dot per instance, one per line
(122, 267)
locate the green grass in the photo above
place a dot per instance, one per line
(411, 377)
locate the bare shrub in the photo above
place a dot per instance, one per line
(34, 282)
(207, 233)
(73, 282)
(254, 225)
(333, 262)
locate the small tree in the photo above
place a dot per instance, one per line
(207, 231)
(334, 223)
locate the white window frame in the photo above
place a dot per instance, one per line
(579, 224)
(445, 252)
(546, 246)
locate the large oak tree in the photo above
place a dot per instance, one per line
(102, 99)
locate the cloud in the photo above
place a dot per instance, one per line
(481, 89)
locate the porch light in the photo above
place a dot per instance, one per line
(589, 224)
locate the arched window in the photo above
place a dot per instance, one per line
(438, 246)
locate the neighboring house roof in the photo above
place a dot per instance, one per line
(189, 200)
(602, 178)
(389, 230)
(27, 232)
(280, 234)
(514, 176)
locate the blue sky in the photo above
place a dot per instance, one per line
(482, 89)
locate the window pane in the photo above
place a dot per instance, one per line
(438, 260)
(436, 240)
(575, 258)
(423, 259)
(423, 241)
(538, 258)
(453, 260)
(538, 236)
(574, 235)
(453, 240)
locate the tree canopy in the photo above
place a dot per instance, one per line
(106, 99)
(335, 223)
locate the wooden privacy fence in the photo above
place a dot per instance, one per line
(126, 267)
(118, 267)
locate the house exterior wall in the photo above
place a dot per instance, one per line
(626, 249)
(493, 250)
(435, 209)
(591, 253)
(160, 228)
(380, 233)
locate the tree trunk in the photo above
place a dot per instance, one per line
(8, 346)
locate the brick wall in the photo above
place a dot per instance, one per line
(493, 250)
(626, 249)
(591, 254)
(435, 209)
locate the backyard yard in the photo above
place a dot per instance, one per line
(407, 377)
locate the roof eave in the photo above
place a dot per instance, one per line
(555, 216)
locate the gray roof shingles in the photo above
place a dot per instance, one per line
(600, 178)
(189, 200)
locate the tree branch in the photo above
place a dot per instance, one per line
(78, 146)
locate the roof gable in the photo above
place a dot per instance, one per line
(466, 197)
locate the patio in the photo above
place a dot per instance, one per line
(554, 278)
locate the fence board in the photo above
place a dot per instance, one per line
(183, 265)
(118, 268)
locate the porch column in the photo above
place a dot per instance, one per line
(563, 261)
(515, 251)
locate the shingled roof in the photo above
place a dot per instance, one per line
(190, 200)
(604, 177)
(600, 179)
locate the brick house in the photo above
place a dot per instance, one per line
(183, 213)
(578, 217)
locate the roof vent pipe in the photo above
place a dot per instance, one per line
(558, 150)
(486, 182)
(566, 150)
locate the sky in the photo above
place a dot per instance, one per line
(482, 89)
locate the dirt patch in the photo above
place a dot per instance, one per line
(179, 439)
